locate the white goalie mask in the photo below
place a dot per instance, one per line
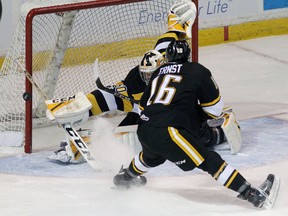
(151, 60)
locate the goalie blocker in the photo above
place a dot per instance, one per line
(73, 110)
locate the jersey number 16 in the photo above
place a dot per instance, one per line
(165, 93)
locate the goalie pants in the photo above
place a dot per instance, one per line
(184, 150)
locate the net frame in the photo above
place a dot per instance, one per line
(29, 48)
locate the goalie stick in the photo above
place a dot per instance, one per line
(72, 134)
(115, 93)
(111, 90)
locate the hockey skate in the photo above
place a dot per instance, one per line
(61, 155)
(124, 180)
(68, 153)
(265, 195)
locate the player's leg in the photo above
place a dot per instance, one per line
(142, 162)
(231, 178)
(190, 153)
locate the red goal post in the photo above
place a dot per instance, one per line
(58, 41)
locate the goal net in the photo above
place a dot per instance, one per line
(57, 41)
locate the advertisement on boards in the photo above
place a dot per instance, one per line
(213, 13)
(273, 4)
(211, 9)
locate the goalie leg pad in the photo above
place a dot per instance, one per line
(231, 130)
(128, 136)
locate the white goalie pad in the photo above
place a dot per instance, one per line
(73, 110)
(232, 132)
(128, 136)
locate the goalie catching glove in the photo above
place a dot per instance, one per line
(181, 17)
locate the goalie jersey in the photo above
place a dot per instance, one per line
(132, 85)
(176, 95)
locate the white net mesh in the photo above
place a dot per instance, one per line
(65, 46)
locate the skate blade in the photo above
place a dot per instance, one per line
(270, 200)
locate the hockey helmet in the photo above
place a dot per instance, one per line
(178, 51)
(151, 60)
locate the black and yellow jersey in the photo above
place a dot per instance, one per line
(175, 93)
(135, 85)
(132, 85)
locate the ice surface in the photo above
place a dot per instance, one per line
(252, 76)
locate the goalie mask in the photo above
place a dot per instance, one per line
(178, 51)
(151, 60)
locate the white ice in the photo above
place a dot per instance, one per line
(252, 76)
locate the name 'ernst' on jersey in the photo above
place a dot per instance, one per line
(174, 68)
(165, 102)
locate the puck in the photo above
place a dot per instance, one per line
(27, 96)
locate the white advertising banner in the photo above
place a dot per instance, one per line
(216, 13)
(215, 9)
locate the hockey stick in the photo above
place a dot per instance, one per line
(111, 90)
(72, 134)
(115, 93)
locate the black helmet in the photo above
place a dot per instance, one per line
(177, 51)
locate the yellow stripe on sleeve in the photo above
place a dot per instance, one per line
(212, 102)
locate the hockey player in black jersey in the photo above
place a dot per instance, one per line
(170, 124)
(135, 83)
